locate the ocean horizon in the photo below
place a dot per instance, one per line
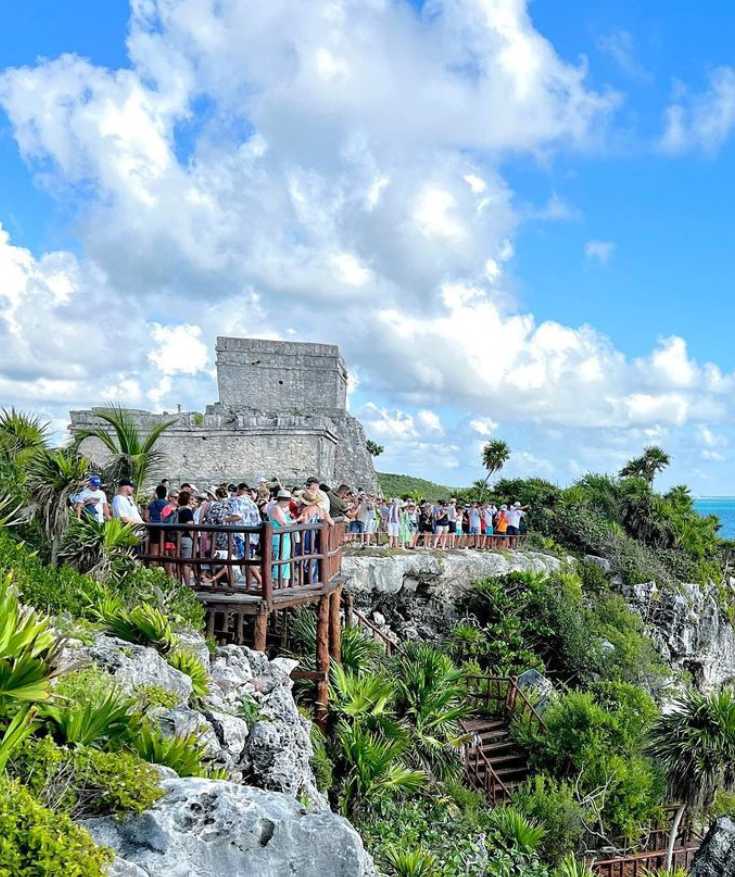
(723, 507)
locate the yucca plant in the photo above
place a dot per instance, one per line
(516, 830)
(430, 699)
(20, 726)
(54, 477)
(183, 753)
(411, 862)
(22, 435)
(94, 547)
(143, 624)
(571, 867)
(131, 454)
(187, 662)
(374, 766)
(103, 719)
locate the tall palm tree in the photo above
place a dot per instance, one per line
(695, 744)
(53, 479)
(132, 455)
(495, 455)
(652, 461)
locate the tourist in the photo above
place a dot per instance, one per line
(441, 524)
(366, 518)
(409, 525)
(515, 514)
(394, 522)
(475, 528)
(311, 512)
(458, 526)
(155, 507)
(185, 515)
(488, 518)
(357, 524)
(426, 524)
(280, 517)
(245, 513)
(218, 513)
(452, 519)
(92, 501)
(123, 504)
(339, 504)
(312, 484)
(501, 524)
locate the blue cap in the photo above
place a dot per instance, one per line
(95, 480)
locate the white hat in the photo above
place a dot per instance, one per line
(516, 505)
(283, 494)
(503, 508)
(260, 480)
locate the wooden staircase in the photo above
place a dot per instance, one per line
(494, 763)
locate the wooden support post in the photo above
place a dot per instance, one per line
(335, 625)
(261, 628)
(322, 661)
(349, 619)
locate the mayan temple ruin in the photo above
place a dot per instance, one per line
(282, 411)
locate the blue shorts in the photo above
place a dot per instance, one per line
(475, 531)
(489, 531)
(357, 527)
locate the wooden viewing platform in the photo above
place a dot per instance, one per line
(244, 576)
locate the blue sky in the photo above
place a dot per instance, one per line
(514, 218)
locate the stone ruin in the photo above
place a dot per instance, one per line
(282, 411)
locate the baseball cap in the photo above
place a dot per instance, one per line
(126, 482)
(95, 480)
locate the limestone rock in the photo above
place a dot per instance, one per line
(132, 666)
(602, 562)
(716, 856)
(203, 828)
(537, 688)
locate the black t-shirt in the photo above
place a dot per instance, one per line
(185, 516)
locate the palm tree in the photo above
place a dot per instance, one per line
(495, 455)
(652, 461)
(98, 547)
(54, 477)
(695, 744)
(132, 456)
(21, 435)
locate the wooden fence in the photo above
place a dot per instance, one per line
(643, 864)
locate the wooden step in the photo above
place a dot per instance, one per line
(508, 759)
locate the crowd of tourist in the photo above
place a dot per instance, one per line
(370, 519)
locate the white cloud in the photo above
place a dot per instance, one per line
(180, 349)
(484, 426)
(620, 46)
(601, 251)
(701, 121)
(429, 421)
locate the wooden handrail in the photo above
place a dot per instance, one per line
(637, 864)
(377, 633)
(492, 782)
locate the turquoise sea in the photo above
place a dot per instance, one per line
(723, 507)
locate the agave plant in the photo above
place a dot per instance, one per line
(571, 867)
(374, 767)
(54, 477)
(12, 512)
(183, 753)
(143, 624)
(102, 719)
(187, 662)
(96, 547)
(131, 454)
(411, 862)
(516, 830)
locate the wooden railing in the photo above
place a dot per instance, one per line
(640, 864)
(428, 540)
(501, 696)
(261, 561)
(482, 776)
(355, 617)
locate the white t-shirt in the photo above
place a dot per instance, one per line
(125, 507)
(99, 506)
(514, 517)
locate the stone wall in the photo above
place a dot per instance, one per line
(353, 464)
(280, 375)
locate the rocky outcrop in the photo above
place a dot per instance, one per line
(413, 594)
(716, 856)
(203, 828)
(688, 629)
(248, 721)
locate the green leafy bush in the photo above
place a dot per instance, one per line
(411, 862)
(100, 715)
(154, 587)
(187, 662)
(552, 803)
(83, 781)
(143, 624)
(515, 830)
(37, 842)
(147, 696)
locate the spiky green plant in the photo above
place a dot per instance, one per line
(694, 743)
(183, 753)
(94, 547)
(571, 867)
(516, 830)
(411, 862)
(360, 652)
(103, 719)
(131, 454)
(187, 662)
(22, 435)
(53, 479)
(374, 767)
(430, 699)
(143, 624)
(366, 698)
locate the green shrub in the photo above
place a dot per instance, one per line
(249, 709)
(36, 842)
(515, 830)
(143, 624)
(187, 662)
(147, 696)
(551, 803)
(321, 763)
(411, 862)
(86, 782)
(153, 586)
(185, 753)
